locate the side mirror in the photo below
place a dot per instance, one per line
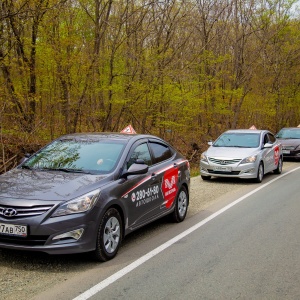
(210, 143)
(137, 168)
(24, 158)
(268, 145)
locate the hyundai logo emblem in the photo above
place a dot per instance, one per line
(9, 212)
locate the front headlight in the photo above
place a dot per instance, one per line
(78, 205)
(250, 159)
(203, 157)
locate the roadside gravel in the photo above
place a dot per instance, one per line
(24, 274)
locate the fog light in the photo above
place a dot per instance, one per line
(249, 171)
(75, 234)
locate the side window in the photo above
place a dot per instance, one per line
(161, 152)
(140, 152)
(266, 140)
(271, 138)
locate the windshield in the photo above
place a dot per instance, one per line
(90, 156)
(289, 134)
(242, 140)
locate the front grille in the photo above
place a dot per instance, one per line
(288, 147)
(224, 172)
(36, 240)
(224, 161)
(15, 212)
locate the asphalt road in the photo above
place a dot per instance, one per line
(190, 263)
(250, 251)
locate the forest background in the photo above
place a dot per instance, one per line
(183, 70)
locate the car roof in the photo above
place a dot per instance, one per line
(291, 128)
(107, 135)
(246, 131)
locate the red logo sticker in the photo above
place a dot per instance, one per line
(276, 155)
(169, 186)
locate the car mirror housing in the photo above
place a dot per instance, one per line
(24, 158)
(137, 168)
(268, 145)
(210, 143)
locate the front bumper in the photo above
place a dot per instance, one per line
(41, 233)
(245, 171)
(288, 153)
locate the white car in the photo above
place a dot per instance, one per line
(243, 153)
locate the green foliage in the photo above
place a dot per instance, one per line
(183, 72)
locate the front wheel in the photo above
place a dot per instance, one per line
(181, 205)
(109, 236)
(260, 173)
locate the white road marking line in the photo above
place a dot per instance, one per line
(106, 282)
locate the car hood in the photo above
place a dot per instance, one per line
(289, 142)
(46, 186)
(230, 152)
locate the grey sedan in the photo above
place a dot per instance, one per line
(290, 139)
(243, 154)
(86, 192)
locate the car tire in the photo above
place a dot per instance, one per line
(181, 205)
(278, 170)
(205, 177)
(260, 173)
(109, 236)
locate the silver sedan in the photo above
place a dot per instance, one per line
(244, 154)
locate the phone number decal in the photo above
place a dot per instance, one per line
(145, 196)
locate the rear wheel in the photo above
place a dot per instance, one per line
(181, 205)
(278, 170)
(109, 236)
(260, 173)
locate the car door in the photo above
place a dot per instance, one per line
(152, 194)
(143, 193)
(276, 151)
(268, 153)
(167, 174)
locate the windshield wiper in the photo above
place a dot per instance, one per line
(232, 146)
(67, 170)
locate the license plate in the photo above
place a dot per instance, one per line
(15, 230)
(222, 169)
(286, 151)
